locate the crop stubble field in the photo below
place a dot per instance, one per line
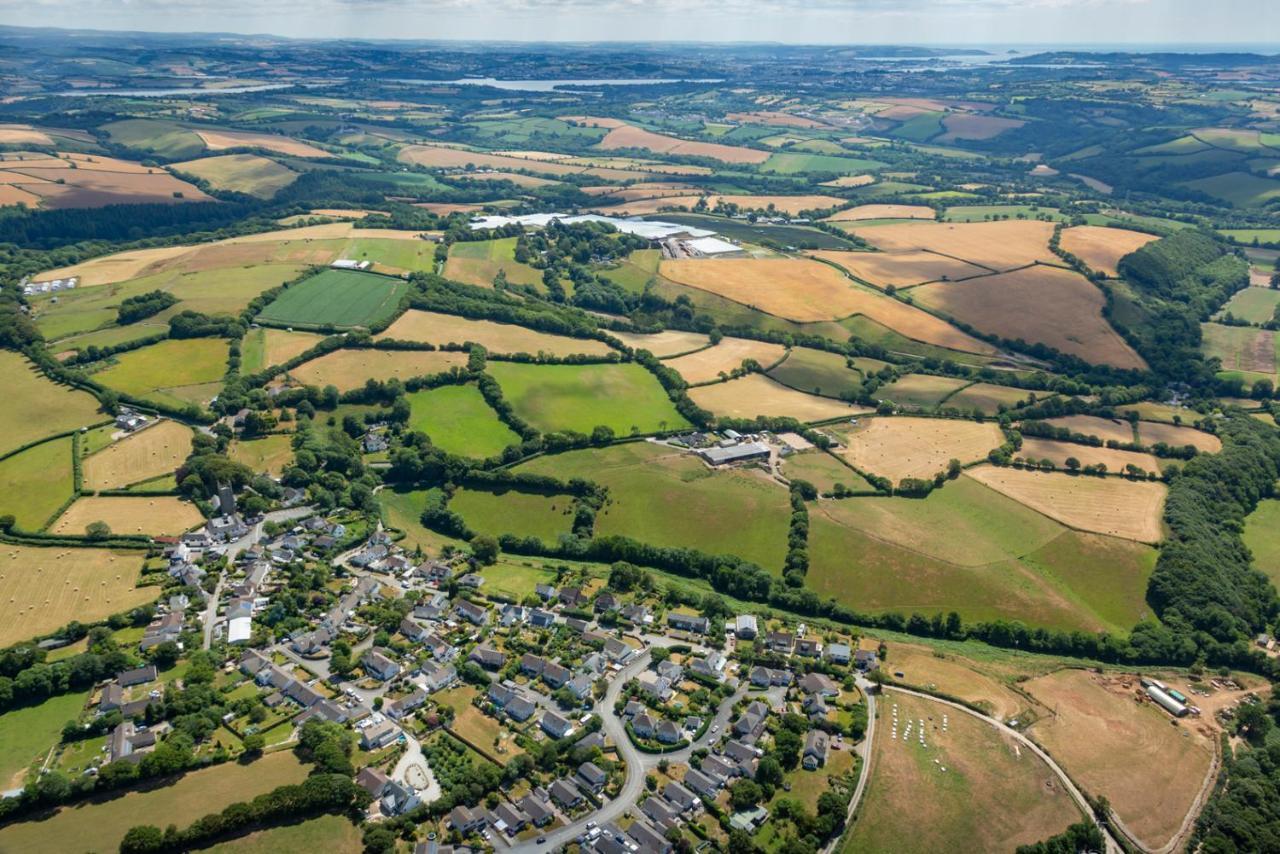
(149, 453)
(726, 356)
(1100, 247)
(348, 369)
(433, 328)
(756, 394)
(916, 447)
(900, 269)
(126, 514)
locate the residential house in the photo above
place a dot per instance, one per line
(667, 732)
(701, 783)
(818, 683)
(378, 665)
(809, 647)
(545, 592)
(688, 623)
(466, 821)
(815, 750)
(745, 627)
(566, 795)
(532, 665)
(572, 597)
(541, 619)
(378, 736)
(512, 615)
(751, 723)
(656, 687)
(671, 671)
(162, 630)
(767, 677)
(643, 725)
(472, 612)
(372, 781)
(397, 799)
(743, 755)
(866, 660)
(537, 809)
(398, 709)
(437, 676)
(414, 631)
(137, 676)
(710, 667)
(636, 614)
(617, 651)
(837, 653)
(780, 642)
(556, 725)
(591, 777)
(719, 769)
(509, 819)
(606, 602)
(487, 657)
(577, 624)
(648, 839)
(556, 675)
(680, 796)
(471, 581)
(441, 649)
(661, 812)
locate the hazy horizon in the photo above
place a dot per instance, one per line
(1161, 24)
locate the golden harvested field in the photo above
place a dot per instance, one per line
(219, 140)
(924, 390)
(1041, 304)
(994, 794)
(60, 186)
(627, 136)
(11, 195)
(269, 346)
(119, 267)
(989, 398)
(996, 245)
(23, 135)
(1091, 425)
(846, 181)
(884, 212)
(898, 448)
(457, 158)
(1123, 749)
(155, 515)
(671, 342)
(1058, 452)
(966, 126)
(725, 357)
(783, 204)
(45, 588)
(756, 394)
(433, 328)
(149, 453)
(593, 121)
(1150, 433)
(1101, 248)
(1112, 506)
(773, 118)
(922, 667)
(514, 177)
(900, 269)
(805, 290)
(348, 369)
(636, 192)
(39, 407)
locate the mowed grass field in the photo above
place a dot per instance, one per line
(348, 369)
(756, 394)
(994, 245)
(1126, 751)
(1035, 450)
(1105, 429)
(477, 262)
(805, 290)
(432, 327)
(568, 397)
(915, 447)
(920, 390)
(459, 421)
(339, 298)
(29, 733)
(176, 372)
(993, 795)
(150, 453)
(817, 372)
(989, 398)
(1111, 506)
(100, 826)
(264, 347)
(1241, 348)
(822, 470)
(241, 173)
(156, 515)
(969, 549)
(269, 454)
(325, 833)
(46, 588)
(1260, 528)
(1256, 305)
(984, 684)
(725, 357)
(509, 512)
(36, 482)
(38, 406)
(1039, 304)
(669, 498)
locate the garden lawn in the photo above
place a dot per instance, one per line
(669, 498)
(459, 421)
(625, 398)
(339, 298)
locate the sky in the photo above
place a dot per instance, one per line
(899, 22)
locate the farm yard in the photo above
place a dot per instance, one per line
(567, 397)
(152, 515)
(1118, 508)
(460, 421)
(725, 357)
(432, 328)
(149, 453)
(898, 448)
(351, 368)
(756, 394)
(46, 588)
(39, 407)
(1038, 304)
(670, 498)
(993, 794)
(1101, 732)
(176, 372)
(338, 298)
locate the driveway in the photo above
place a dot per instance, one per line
(413, 770)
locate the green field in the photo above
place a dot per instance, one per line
(409, 255)
(506, 133)
(35, 483)
(636, 271)
(979, 213)
(1248, 235)
(1241, 348)
(477, 262)
(339, 298)
(39, 407)
(1256, 305)
(920, 128)
(220, 291)
(824, 471)
(100, 826)
(269, 454)
(817, 372)
(669, 498)
(1240, 189)
(251, 174)
(787, 163)
(330, 833)
(176, 372)
(523, 514)
(989, 398)
(922, 390)
(28, 733)
(168, 139)
(511, 577)
(969, 549)
(262, 347)
(402, 509)
(568, 397)
(459, 421)
(1260, 536)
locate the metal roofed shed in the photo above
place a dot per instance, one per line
(712, 246)
(735, 454)
(1169, 704)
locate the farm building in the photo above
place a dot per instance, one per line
(745, 452)
(1166, 702)
(350, 264)
(711, 247)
